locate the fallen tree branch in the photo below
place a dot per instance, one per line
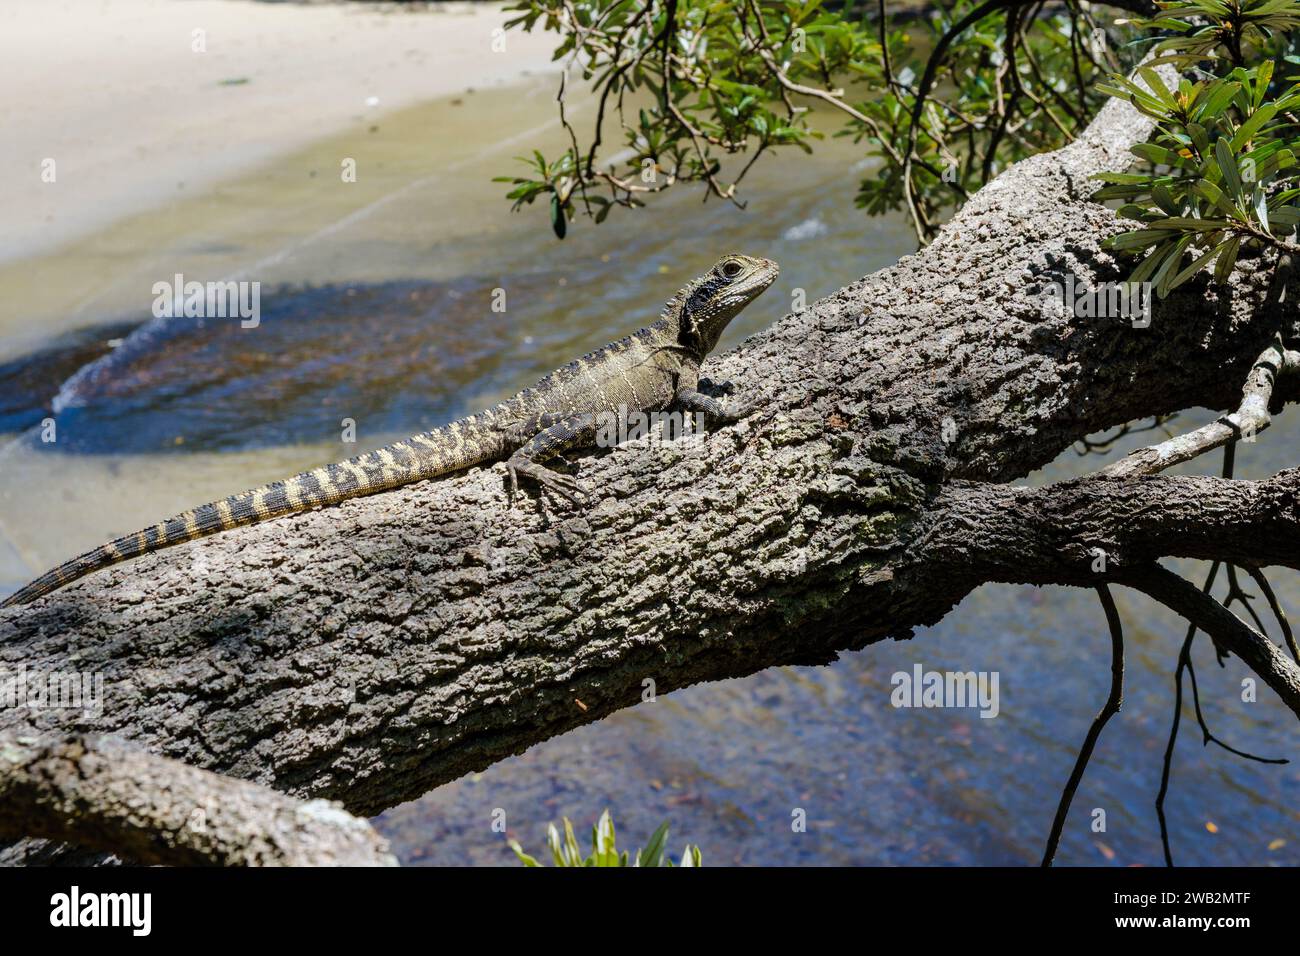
(1091, 529)
(373, 650)
(103, 794)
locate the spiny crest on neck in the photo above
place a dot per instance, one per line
(672, 309)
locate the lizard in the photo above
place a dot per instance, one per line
(651, 370)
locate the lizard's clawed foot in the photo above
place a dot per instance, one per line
(570, 489)
(735, 411)
(725, 387)
(721, 412)
(728, 412)
(566, 487)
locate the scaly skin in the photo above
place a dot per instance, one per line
(650, 370)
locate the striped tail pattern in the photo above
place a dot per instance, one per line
(459, 445)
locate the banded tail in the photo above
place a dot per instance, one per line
(457, 446)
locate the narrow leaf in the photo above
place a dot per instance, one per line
(1228, 166)
(1227, 259)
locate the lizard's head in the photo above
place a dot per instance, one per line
(717, 297)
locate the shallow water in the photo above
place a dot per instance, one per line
(376, 308)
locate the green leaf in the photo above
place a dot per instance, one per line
(1216, 101)
(1186, 222)
(556, 844)
(1161, 155)
(524, 858)
(1284, 217)
(1132, 210)
(559, 223)
(1139, 239)
(1165, 200)
(654, 848)
(1281, 158)
(1262, 76)
(1228, 166)
(1261, 209)
(572, 852)
(602, 841)
(1166, 270)
(1118, 192)
(1214, 195)
(1248, 129)
(1148, 265)
(1194, 268)
(1128, 178)
(1157, 86)
(1227, 259)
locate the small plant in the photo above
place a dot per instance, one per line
(1224, 175)
(566, 852)
(1212, 29)
(1222, 169)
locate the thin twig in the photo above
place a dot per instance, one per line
(1184, 656)
(1278, 613)
(1251, 417)
(1114, 702)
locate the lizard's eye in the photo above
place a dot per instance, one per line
(731, 268)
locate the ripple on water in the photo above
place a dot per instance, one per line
(28, 384)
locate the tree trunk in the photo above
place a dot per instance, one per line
(371, 651)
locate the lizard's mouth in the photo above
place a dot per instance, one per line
(764, 277)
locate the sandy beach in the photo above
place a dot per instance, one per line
(139, 102)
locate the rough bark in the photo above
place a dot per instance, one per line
(374, 650)
(1103, 528)
(103, 794)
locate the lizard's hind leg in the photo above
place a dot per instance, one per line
(576, 431)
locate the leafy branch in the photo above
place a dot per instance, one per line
(1221, 168)
(699, 90)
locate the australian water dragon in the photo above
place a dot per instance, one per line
(653, 369)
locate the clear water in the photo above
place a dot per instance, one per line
(376, 308)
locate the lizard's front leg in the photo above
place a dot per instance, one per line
(576, 431)
(689, 398)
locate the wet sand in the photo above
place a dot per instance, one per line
(142, 102)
